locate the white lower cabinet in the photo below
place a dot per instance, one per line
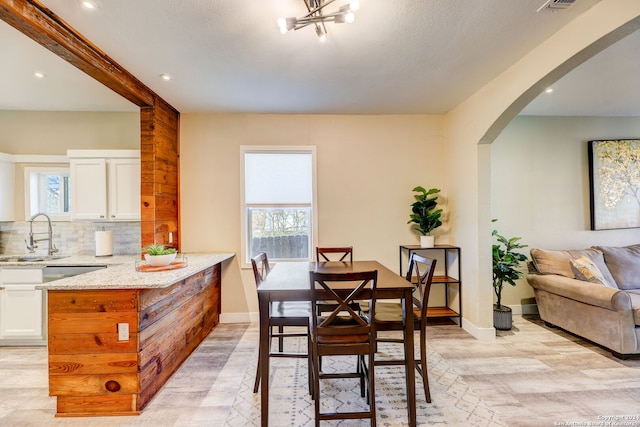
(22, 307)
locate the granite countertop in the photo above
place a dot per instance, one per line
(121, 271)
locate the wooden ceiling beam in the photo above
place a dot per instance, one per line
(39, 23)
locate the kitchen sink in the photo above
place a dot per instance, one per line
(30, 258)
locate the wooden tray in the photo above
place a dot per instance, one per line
(173, 266)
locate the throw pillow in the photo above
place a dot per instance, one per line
(624, 264)
(586, 270)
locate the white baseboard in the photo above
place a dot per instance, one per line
(482, 334)
(245, 317)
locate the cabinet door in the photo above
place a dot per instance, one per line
(7, 170)
(21, 312)
(88, 189)
(124, 189)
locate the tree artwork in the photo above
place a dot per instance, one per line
(615, 183)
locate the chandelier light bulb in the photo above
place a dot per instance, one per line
(354, 5)
(321, 33)
(350, 17)
(282, 24)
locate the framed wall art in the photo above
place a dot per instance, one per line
(614, 175)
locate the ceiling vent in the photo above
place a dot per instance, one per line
(555, 5)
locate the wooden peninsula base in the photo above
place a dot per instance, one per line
(93, 371)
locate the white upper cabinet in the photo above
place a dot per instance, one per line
(7, 177)
(105, 185)
(124, 189)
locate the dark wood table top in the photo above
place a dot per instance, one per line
(290, 280)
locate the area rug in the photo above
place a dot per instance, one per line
(453, 402)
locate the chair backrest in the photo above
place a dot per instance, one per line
(343, 320)
(261, 269)
(422, 268)
(339, 254)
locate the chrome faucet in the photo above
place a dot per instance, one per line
(31, 243)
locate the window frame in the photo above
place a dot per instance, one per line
(44, 170)
(313, 226)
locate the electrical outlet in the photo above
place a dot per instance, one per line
(123, 332)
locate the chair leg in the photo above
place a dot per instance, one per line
(372, 390)
(309, 365)
(280, 339)
(423, 365)
(316, 387)
(256, 384)
(361, 370)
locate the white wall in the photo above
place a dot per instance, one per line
(367, 167)
(540, 184)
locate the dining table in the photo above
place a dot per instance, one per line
(289, 281)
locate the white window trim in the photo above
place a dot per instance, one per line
(27, 190)
(307, 149)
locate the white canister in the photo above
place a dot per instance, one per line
(104, 243)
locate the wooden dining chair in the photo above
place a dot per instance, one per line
(326, 254)
(389, 315)
(339, 254)
(343, 332)
(281, 314)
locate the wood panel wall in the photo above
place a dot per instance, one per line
(159, 152)
(159, 121)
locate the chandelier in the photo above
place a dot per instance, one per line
(318, 17)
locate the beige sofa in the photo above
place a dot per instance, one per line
(593, 293)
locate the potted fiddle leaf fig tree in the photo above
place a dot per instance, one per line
(425, 215)
(506, 269)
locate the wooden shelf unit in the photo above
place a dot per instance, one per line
(448, 257)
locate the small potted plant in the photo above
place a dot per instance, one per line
(506, 264)
(159, 255)
(425, 215)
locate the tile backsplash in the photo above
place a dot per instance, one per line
(71, 238)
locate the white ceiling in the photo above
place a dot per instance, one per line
(399, 57)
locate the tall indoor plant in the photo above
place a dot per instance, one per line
(425, 215)
(506, 264)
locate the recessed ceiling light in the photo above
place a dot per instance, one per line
(548, 90)
(39, 75)
(165, 77)
(88, 5)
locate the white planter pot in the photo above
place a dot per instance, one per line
(426, 241)
(160, 260)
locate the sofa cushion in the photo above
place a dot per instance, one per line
(557, 262)
(624, 264)
(586, 270)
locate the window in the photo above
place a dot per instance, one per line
(279, 202)
(47, 191)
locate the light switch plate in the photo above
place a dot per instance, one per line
(123, 332)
